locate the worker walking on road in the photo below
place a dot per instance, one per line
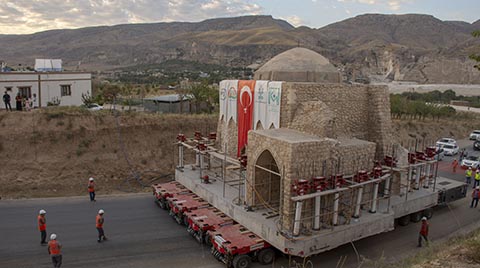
(454, 165)
(99, 224)
(42, 226)
(477, 179)
(468, 176)
(423, 235)
(475, 196)
(91, 189)
(54, 249)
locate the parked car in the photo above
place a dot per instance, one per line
(445, 141)
(475, 135)
(471, 161)
(476, 145)
(94, 107)
(439, 154)
(450, 149)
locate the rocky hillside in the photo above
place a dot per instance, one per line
(52, 152)
(401, 47)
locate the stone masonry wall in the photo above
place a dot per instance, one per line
(300, 160)
(330, 110)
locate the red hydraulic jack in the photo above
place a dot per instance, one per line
(162, 191)
(202, 220)
(237, 247)
(181, 204)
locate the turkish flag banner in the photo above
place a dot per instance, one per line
(244, 111)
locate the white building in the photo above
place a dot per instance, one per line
(63, 87)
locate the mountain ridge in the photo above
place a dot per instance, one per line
(398, 47)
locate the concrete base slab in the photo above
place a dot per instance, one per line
(268, 228)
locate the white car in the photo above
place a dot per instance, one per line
(439, 154)
(450, 149)
(446, 141)
(471, 161)
(475, 135)
(94, 107)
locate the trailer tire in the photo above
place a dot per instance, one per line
(241, 261)
(404, 221)
(162, 204)
(416, 217)
(208, 240)
(428, 213)
(266, 256)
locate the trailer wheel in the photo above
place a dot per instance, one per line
(242, 261)
(416, 217)
(162, 204)
(428, 213)
(266, 256)
(208, 240)
(404, 221)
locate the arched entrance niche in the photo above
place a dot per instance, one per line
(267, 181)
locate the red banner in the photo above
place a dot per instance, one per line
(244, 111)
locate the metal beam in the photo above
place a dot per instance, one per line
(334, 191)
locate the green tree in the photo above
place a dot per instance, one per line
(476, 57)
(202, 93)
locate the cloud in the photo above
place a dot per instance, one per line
(17, 17)
(390, 4)
(294, 20)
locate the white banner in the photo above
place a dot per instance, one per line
(260, 104)
(232, 88)
(222, 88)
(273, 104)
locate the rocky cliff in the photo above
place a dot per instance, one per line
(402, 47)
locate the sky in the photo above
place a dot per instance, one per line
(29, 16)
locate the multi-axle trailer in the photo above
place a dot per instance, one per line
(328, 211)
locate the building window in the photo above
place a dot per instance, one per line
(25, 92)
(8, 89)
(65, 90)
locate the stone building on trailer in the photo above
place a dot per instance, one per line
(326, 127)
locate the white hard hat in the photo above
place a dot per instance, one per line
(53, 236)
(41, 212)
(91, 179)
(101, 211)
(424, 218)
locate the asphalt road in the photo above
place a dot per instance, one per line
(143, 235)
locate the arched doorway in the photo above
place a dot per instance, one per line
(267, 181)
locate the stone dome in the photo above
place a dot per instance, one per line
(299, 65)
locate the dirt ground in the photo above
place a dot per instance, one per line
(53, 152)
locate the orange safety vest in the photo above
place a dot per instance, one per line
(53, 247)
(42, 223)
(99, 221)
(91, 186)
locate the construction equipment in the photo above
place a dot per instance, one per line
(237, 247)
(202, 220)
(162, 191)
(181, 203)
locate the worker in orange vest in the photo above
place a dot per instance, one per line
(423, 235)
(91, 189)
(54, 249)
(42, 226)
(99, 224)
(454, 165)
